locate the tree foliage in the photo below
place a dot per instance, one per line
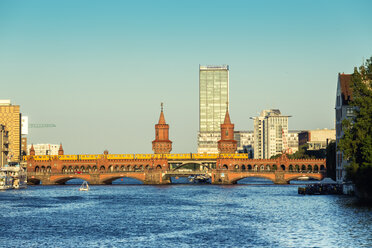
(356, 143)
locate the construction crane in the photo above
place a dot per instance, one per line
(38, 125)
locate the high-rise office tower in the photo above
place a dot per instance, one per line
(270, 134)
(10, 117)
(213, 102)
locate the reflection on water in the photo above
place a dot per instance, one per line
(254, 215)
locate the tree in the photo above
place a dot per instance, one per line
(356, 143)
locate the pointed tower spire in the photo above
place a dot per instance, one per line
(162, 144)
(161, 118)
(227, 144)
(60, 150)
(227, 118)
(32, 150)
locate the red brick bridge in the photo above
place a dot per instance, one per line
(160, 168)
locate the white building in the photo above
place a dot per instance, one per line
(44, 149)
(343, 111)
(292, 139)
(269, 129)
(213, 102)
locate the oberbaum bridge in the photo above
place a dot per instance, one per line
(227, 167)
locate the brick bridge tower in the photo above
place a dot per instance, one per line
(227, 144)
(60, 150)
(32, 150)
(162, 144)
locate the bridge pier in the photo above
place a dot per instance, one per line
(220, 178)
(279, 177)
(157, 177)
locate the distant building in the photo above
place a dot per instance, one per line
(292, 139)
(44, 149)
(317, 139)
(343, 111)
(269, 129)
(23, 146)
(213, 102)
(4, 145)
(10, 117)
(245, 142)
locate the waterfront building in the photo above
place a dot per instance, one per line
(10, 117)
(162, 144)
(4, 145)
(343, 111)
(227, 143)
(317, 139)
(213, 102)
(44, 149)
(269, 129)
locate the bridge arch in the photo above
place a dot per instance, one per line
(33, 181)
(109, 180)
(235, 180)
(311, 176)
(63, 180)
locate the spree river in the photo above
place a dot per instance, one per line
(253, 215)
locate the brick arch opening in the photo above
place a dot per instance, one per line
(236, 180)
(112, 179)
(63, 180)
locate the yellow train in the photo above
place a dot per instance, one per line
(173, 156)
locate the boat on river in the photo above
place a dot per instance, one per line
(13, 177)
(84, 186)
(198, 179)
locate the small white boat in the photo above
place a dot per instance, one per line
(84, 186)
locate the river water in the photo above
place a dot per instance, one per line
(254, 215)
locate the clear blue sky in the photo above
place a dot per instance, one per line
(99, 69)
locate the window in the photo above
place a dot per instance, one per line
(349, 111)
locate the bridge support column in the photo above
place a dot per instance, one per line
(45, 180)
(220, 178)
(157, 177)
(95, 179)
(279, 177)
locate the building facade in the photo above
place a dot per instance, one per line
(4, 145)
(43, 149)
(292, 139)
(213, 102)
(317, 139)
(10, 117)
(269, 129)
(343, 111)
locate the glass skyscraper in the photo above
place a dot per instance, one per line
(213, 101)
